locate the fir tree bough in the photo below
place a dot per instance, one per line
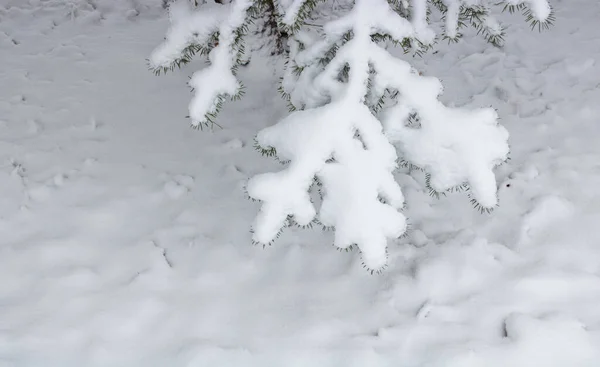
(353, 107)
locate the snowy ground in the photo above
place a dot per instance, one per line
(124, 234)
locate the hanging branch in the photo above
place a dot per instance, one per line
(217, 31)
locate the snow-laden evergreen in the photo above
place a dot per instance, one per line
(456, 147)
(217, 31)
(341, 143)
(339, 140)
(351, 100)
(322, 142)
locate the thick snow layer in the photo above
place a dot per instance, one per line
(124, 234)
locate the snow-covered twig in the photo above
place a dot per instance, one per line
(190, 33)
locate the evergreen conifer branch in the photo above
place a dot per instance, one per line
(298, 13)
(350, 100)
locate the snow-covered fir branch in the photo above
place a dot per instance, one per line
(480, 15)
(351, 102)
(216, 30)
(337, 139)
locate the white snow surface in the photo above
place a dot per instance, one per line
(124, 234)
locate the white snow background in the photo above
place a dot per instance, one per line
(124, 234)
